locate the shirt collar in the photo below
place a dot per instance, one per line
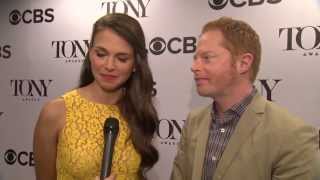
(238, 108)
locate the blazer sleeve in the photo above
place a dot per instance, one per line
(179, 170)
(297, 155)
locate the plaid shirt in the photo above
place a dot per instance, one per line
(220, 132)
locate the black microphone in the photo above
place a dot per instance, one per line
(110, 131)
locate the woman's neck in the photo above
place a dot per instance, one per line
(95, 93)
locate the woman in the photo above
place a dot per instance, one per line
(115, 81)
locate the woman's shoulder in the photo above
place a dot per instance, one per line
(53, 113)
(54, 107)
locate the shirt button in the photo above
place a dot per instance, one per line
(214, 158)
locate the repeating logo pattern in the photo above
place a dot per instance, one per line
(30, 89)
(266, 87)
(174, 45)
(305, 39)
(31, 16)
(169, 131)
(22, 158)
(220, 4)
(136, 8)
(5, 51)
(70, 51)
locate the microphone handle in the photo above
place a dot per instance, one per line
(107, 155)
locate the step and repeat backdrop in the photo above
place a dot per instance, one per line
(43, 43)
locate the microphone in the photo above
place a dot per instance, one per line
(110, 131)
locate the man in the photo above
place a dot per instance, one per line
(240, 136)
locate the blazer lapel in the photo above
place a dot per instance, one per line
(201, 144)
(247, 123)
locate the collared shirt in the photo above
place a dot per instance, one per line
(221, 129)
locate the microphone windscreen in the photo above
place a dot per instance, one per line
(111, 124)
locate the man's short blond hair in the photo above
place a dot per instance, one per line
(239, 38)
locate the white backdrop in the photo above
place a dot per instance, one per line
(42, 45)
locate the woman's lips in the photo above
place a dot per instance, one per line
(109, 77)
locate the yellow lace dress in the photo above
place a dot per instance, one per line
(80, 145)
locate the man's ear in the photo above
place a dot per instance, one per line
(244, 63)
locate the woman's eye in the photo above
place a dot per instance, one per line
(123, 58)
(100, 54)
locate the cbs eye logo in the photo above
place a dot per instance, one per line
(175, 45)
(10, 156)
(14, 17)
(157, 46)
(23, 158)
(31, 16)
(220, 4)
(217, 4)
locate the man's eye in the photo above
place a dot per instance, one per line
(206, 57)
